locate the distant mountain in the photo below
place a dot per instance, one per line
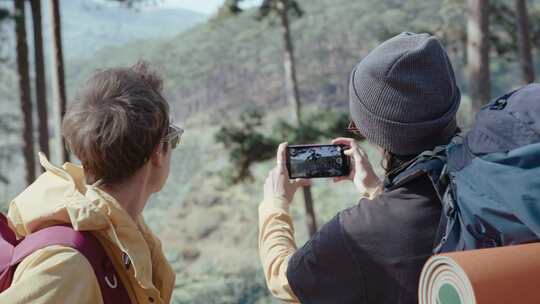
(89, 25)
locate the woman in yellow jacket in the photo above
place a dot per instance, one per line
(120, 130)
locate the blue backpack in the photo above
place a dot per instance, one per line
(488, 180)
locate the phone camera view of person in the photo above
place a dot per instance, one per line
(403, 99)
(85, 239)
(316, 161)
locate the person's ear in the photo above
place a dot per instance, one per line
(158, 155)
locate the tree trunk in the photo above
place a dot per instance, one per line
(41, 94)
(59, 87)
(293, 98)
(478, 52)
(291, 85)
(310, 212)
(524, 43)
(24, 92)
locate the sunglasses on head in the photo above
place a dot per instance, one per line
(173, 135)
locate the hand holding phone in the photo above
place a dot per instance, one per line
(362, 174)
(278, 188)
(313, 161)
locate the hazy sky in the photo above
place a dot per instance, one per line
(203, 6)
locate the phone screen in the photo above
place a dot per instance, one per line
(311, 161)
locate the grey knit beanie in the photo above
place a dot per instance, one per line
(403, 95)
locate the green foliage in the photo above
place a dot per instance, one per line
(502, 22)
(503, 29)
(229, 8)
(247, 144)
(503, 35)
(245, 285)
(4, 18)
(4, 14)
(272, 6)
(316, 126)
(267, 7)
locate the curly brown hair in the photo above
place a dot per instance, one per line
(119, 116)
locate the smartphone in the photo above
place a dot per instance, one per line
(312, 161)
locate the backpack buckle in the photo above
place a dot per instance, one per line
(112, 284)
(499, 104)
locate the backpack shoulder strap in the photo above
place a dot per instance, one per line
(112, 290)
(7, 245)
(56, 235)
(6, 233)
(431, 163)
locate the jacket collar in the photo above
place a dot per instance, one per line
(61, 196)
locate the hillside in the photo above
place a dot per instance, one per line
(90, 25)
(236, 62)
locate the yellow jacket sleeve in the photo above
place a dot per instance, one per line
(276, 246)
(55, 274)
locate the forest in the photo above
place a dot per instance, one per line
(239, 81)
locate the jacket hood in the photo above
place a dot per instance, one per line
(60, 196)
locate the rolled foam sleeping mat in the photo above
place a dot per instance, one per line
(502, 275)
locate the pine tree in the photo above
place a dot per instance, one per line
(523, 42)
(59, 85)
(24, 91)
(478, 52)
(41, 93)
(282, 9)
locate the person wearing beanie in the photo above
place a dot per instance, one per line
(403, 99)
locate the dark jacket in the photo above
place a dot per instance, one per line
(372, 252)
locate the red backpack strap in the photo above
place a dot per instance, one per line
(8, 241)
(112, 289)
(5, 231)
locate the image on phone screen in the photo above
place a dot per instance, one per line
(310, 161)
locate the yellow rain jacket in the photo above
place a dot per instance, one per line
(58, 274)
